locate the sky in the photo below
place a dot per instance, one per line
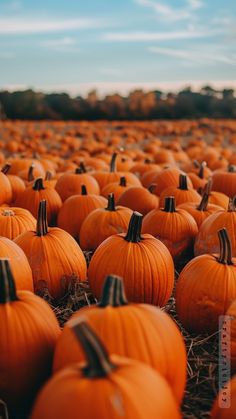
(117, 45)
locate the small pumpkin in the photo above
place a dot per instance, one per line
(142, 261)
(76, 208)
(225, 181)
(168, 177)
(117, 188)
(54, 256)
(29, 331)
(176, 228)
(118, 324)
(114, 384)
(17, 184)
(182, 193)
(200, 211)
(14, 221)
(106, 222)
(206, 287)
(70, 184)
(139, 199)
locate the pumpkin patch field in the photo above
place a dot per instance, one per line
(118, 269)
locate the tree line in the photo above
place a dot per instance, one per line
(138, 105)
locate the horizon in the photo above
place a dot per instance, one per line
(117, 47)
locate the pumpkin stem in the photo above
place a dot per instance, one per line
(123, 181)
(231, 168)
(82, 167)
(208, 187)
(225, 247)
(152, 187)
(204, 202)
(113, 293)
(48, 175)
(201, 171)
(183, 182)
(38, 184)
(196, 164)
(31, 177)
(134, 230)
(113, 162)
(232, 204)
(42, 224)
(6, 168)
(98, 362)
(7, 283)
(111, 202)
(169, 204)
(84, 190)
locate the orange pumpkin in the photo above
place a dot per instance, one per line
(206, 287)
(117, 188)
(139, 199)
(70, 184)
(182, 193)
(144, 262)
(29, 331)
(225, 181)
(52, 244)
(17, 184)
(14, 221)
(106, 222)
(200, 211)
(153, 331)
(114, 384)
(174, 227)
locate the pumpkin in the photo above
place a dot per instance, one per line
(207, 240)
(54, 256)
(70, 184)
(168, 177)
(225, 181)
(105, 385)
(216, 198)
(37, 192)
(17, 184)
(182, 193)
(14, 221)
(29, 331)
(19, 264)
(119, 324)
(174, 227)
(76, 208)
(117, 188)
(106, 222)
(144, 262)
(206, 287)
(22, 164)
(200, 211)
(139, 199)
(104, 178)
(5, 189)
(225, 404)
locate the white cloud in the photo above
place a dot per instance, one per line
(31, 25)
(160, 36)
(168, 13)
(65, 44)
(199, 56)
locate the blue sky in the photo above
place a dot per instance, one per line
(77, 45)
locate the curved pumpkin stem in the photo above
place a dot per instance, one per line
(7, 283)
(232, 204)
(183, 182)
(169, 204)
(48, 175)
(225, 247)
(84, 190)
(113, 162)
(113, 293)
(31, 177)
(38, 184)
(82, 167)
(135, 226)
(203, 165)
(152, 187)
(6, 168)
(42, 224)
(123, 181)
(98, 362)
(208, 187)
(111, 202)
(204, 202)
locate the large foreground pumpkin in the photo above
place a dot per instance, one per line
(54, 256)
(119, 324)
(29, 331)
(105, 387)
(206, 287)
(144, 262)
